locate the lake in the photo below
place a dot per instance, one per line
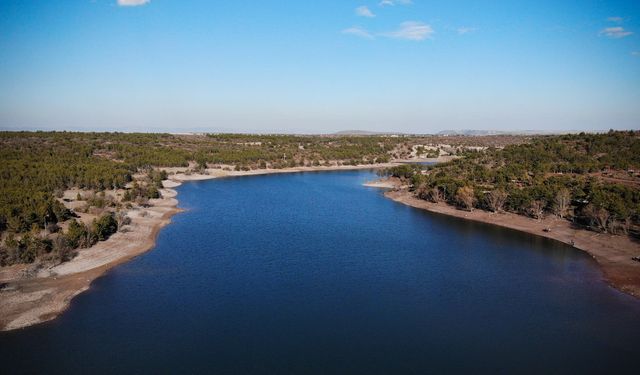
(312, 273)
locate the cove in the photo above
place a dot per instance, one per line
(312, 273)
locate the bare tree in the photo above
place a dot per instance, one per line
(88, 239)
(598, 216)
(496, 199)
(61, 250)
(602, 218)
(422, 192)
(433, 194)
(536, 209)
(562, 202)
(466, 197)
(122, 219)
(437, 195)
(626, 224)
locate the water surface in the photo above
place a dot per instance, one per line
(312, 273)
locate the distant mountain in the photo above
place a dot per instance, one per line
(477, 133)
(361, 132)
(461, 132)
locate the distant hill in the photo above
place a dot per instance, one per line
(462, 132)
(473, 132)
(361, 132)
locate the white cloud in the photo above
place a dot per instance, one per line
(411, 30)
(358, 31)
(385, 3)
(615, 32)
(615, 19)
(466, 30)
(132, 3)
(364, 11)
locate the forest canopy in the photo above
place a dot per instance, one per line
(592, 179)
(37, 166)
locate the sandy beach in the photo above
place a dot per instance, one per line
(612, 252)
(46, 293)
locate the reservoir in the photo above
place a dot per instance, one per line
(313, 273)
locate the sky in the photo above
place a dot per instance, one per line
(415, 66)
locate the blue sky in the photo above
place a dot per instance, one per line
(319, 66)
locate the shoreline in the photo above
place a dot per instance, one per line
(30, 301)
(26, 302)
(613, 253)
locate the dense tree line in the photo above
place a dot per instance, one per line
(562, 175)
(59, 247)
(37, 167)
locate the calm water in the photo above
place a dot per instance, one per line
(314, 274)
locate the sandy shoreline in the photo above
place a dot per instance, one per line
(28, 301)
(217, 173)
(612, 252)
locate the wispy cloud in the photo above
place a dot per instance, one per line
(132, 3)
(635, 53)
(466, 30)
(615, 32)
(411, 30)
(385, 3)
(615, 19)
(358, 31)
(364, 11)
